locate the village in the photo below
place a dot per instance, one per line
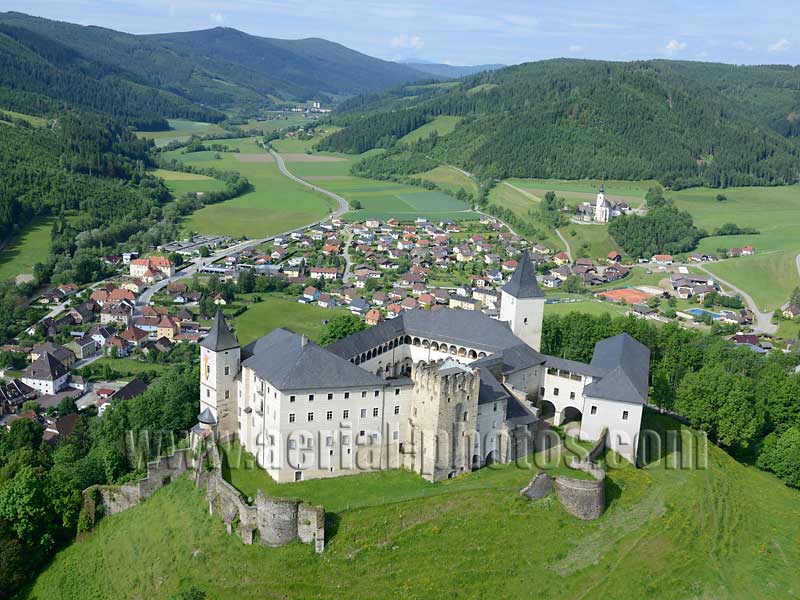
(95, 342)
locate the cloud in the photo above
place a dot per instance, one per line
(674, 46)
(407, 41)
(216, 17)
(575, 48)
(781, 45)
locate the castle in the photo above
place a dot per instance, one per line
(441, 392)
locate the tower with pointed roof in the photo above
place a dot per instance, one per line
(522, 303)
(220, 361)
(602, 209)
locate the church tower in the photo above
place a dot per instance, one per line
(220, 357)
(522, 303)
(602, 211)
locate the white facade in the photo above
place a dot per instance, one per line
(47, 386)
(602, 210)
(524, 315)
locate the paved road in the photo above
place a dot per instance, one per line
(762, 322)
(348, 263)
(343, 205)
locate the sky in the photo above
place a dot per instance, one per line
(466, 32)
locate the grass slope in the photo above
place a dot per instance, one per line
(261, 318)
(188, 183)
(728, 531)
(180, 130)
(19, 253)
(442, 125)
(450, 179)
(275, 205)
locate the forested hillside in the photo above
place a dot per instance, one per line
(684, 124)
(221, 67)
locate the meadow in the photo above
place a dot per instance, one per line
(442, 125)
(21, 252)
(180, 130)
(275, 205)
(272, 312)
(276, 120)
(726, 532)
(33, 120)
(188, 183)
(449, 178)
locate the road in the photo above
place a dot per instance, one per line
(762, 320)
(566, 243)
(343, 205)
(348, 263)
(532, 197)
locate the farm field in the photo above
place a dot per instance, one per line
(21, 252)
(275, 205)
(586, 189)
(450, 179)
(589, 305)
(442, 125)
(293, 145)
(180, 130)
(279, 121)
(188, 183)
(273, 312)
(665, 531)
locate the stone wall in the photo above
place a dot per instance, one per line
(582, 498)
(269, 521)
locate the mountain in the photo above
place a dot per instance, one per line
(682, 123)
(450, 71)
(173, 74)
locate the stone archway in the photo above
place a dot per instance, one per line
(571, 421)
(491, 458)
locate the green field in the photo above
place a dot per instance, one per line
(21, 252)
(130, 367)
(293, 145)
(442, 125)
(262, 317)
(588, 305)
(188, 183)
(451, 179)
(180, 130)
(278, 121)
(276, 204)
(725, 532)
(35, 121)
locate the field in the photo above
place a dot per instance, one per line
(442, 125)
(262, 317)
(451, 179)
(587, 305)
(35, 121)
(130, 367)
(19, 253)
(180, 130)
(725, 532)
(275, 205)
(769, 278)
(188, 183)
(586, 189)
(279, 121)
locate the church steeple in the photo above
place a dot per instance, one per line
(523, 282)
(220, 337)
(522, 303)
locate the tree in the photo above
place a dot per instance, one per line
(356, 205)
(781, 455)
(13, 565)
(24, 505)
(721, 197)
(340, 327)
(204, 251)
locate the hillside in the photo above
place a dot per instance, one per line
(450, 71)
(219, 67)
(727, 531)
(684, 124)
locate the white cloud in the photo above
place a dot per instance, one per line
(216, 17)
(407, 41)
(781, 45)
(575, 48)
(674, 46)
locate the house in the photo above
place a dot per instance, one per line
(747, 339)
(324, 273)
(358, 306)
(167, 328)
(379, 298)
(748, 251)
(134, 336)
(46, 374)
(13, 394)
(373, 317)
(393, 310)
(326, 301)
(508, 265)
(135, 387)
(409, 304)
(83, 347)
(550, 281)
(561, 259)
(120, 314)
(310, 294)
(294, 271)
(790, 312)
(137, 286)
(614, 257)
(116, 344)
(662, 259)
(219, 299)
(150, 267)
(60, 353)
(83, 313)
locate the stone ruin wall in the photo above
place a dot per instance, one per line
(270, 521)
(582, 498)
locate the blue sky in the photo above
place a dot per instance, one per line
(473, 32)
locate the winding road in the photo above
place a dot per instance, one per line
(533, 196)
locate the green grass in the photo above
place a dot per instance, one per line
(591, 241)
(35, 121)
(451, 179)
(275, 205)
(481, 88)
(769, 277)
(130, 366)
(726, 532)
(613, 187)
(21, 252)
(272, 312)
(282, 121)
(590, 306)
(180, 130)
(442, 125)
(188, 183)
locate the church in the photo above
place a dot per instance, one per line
(440, 392)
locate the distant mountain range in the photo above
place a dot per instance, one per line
(450, 71)
(139, 77)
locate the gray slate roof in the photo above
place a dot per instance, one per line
(220, 337)
(289, 362)
(454, 326)
(523, 281)
(46, 367)
(627, 365)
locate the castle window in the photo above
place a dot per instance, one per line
(292, 444)
(541, 391)
(291, 398)
(329, 441)
(525, 320)
(227, 394)
(397, 391)
(572, 395)
(494, 407)
(363, 412)
(363, 394)
(466, 417)
(310, 417)
(208, 393)
(346, 395)
(291, 417)
(345, 440)
(395, 435)
(624, 415)
(555, 391)
(227, 370)
(397, 410)
(362, 433)
(594, 410)
(330, 396)
(208, 371)
(311, 397)
(329, 415)
(298, 476)
(345, 414)
(375, 412)
(377, 393)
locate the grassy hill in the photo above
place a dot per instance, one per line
(218, 67)
(727, 531)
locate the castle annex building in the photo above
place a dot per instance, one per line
(439, 392)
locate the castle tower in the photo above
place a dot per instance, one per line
(522, 303)
(220, 356)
